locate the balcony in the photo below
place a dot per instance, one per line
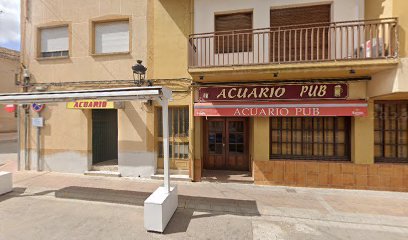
(336, 44)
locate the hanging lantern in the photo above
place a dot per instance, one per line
(10, 108)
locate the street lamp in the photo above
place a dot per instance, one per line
(140, 71)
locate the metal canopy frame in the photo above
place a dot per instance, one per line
(159, 93)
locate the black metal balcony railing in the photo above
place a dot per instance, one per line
(351, 40)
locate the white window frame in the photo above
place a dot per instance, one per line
(94, 44)
(40, 44)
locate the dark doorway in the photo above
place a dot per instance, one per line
(104, 136)
(226, 144)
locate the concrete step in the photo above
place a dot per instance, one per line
(175, 177)
(102, 173)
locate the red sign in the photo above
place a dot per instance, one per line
(274, 92)
(10, 108)
(357, 108)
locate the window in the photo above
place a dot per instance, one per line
(312, 138)
(391, 131)
(54, 42)
(178, 132)
(295, 40)
(230, 35)
(111, 37)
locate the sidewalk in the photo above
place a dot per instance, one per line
(383, 213)
(11, 136)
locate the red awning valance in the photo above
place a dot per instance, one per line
(283, 109)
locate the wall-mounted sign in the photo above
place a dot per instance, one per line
(10, 108)
(274, 92)
(356, 108)
(91, 104)
(37, 107)
(37, 122)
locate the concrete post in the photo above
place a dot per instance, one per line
(165, 114)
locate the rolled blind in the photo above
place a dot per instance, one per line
(241, 41)
(294, 39)
(54, 39)
(112, 37)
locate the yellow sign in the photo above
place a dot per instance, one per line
(91, 104)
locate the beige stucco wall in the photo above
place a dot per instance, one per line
(8, 68)
(66, 139)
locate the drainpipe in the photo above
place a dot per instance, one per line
(18, 138)
(26, 116)
(192, 136)
(38, 147)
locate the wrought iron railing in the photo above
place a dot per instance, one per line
(335, 41)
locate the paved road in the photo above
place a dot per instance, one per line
(70, 206)
(8, 150)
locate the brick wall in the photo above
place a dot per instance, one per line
(391, 177)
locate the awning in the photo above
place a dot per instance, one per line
(283, 109)
(112, 94)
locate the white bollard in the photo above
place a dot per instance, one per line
(159, 208)
(6, 182)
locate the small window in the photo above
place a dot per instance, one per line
(111, 37)
(178, 132)
(312, 138)
(233, 32)
(391, 132)
(54, 42)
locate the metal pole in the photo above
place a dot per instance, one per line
(18, 138)
(27, 167)
(165, 114)
(38, 146)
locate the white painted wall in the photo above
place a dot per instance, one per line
(342, 10)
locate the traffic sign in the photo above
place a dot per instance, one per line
(37, 107)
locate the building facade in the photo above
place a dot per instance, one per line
(299, 93)
(9, 67)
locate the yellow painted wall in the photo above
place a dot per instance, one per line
(362, 137)
(172, 26)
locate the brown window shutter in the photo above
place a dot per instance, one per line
(227, 41)
(287, 39)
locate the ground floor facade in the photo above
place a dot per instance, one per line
(331, 135)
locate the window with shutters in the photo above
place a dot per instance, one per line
(310, 138)
(111, 37)
(233, 32)
(300, 33)
(391, 131)
(53, 42)
(178, 132)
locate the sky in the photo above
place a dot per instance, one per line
(10, 24)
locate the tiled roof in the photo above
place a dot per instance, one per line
(9, 53)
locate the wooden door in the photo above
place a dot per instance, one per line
(237, 151)
(215, 144)
(226, 145)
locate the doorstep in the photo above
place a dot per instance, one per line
(173, 177)
(102, 173)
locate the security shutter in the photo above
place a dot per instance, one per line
(284, 42)
(112, 37)
(54, 40)
(225, 24)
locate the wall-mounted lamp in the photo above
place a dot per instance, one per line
(139, 73)
(275, 74)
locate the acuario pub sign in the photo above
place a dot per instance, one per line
(273, 92)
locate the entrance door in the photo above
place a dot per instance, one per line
(226, 144)
(104, 135)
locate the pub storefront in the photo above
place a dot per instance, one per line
(269, 130)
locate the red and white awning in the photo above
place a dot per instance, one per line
(357, 108)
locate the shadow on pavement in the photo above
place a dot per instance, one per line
(182, 217)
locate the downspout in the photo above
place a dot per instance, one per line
(192, 124)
